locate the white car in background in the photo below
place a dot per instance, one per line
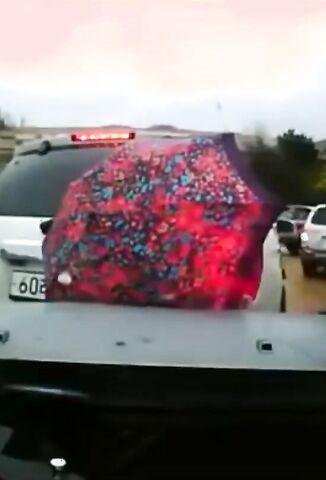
(31, 187)
(289, 226)
(313, 242)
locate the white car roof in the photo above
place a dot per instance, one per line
(63, 139)
(299, 206)
(60, 139)
(314, 209)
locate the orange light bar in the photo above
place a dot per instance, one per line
(102, 137)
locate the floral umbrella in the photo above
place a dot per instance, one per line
(178, 223)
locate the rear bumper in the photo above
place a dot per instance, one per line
(313, 257)
(290, 239)
(6, 277)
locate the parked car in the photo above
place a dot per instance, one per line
(290, 225)
(31, 188)
(313, 242)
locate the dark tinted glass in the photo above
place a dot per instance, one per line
(296, 213)
(320, 217)
(300, 213)
(33, 184)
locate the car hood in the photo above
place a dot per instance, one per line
(145, 336)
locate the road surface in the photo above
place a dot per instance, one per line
(307, 295)
(303, 294)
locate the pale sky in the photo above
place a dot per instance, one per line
(139, 62)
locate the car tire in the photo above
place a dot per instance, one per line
(308, 269)
(293, 249)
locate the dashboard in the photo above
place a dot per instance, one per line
(151, 392)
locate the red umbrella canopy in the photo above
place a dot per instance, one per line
(178, 223)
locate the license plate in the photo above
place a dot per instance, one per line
(27, 285)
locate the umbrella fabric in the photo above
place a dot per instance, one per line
(178, 223)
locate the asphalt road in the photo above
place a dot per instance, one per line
(303, 294)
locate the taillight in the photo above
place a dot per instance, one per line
(304, 237)
(58, 466)
(102, 136)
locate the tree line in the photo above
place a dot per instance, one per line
(292, 169)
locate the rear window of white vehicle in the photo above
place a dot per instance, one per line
(301, 213)
(32, 185)
(296, 213)
(319, 217)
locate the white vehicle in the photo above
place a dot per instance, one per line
(31, 187)
(271, 296)
(289, 226)
(313, 242)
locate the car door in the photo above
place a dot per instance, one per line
(316, 229)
